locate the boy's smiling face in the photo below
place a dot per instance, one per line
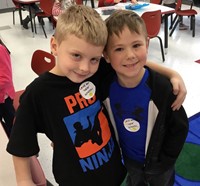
(127, 54)
(76, 58)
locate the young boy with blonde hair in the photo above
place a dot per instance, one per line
(66, 105)
(151, 134)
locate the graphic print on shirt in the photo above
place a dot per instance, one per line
(132, 125)
(90, 133)
(137, 113)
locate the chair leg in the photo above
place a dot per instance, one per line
(162, 49)
(193, 25)
(43, 27)
(171, 17)
(173, 21)
(174, 27)
(14, 17)
(34, 25)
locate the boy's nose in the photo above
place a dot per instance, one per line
(84, 66)
(130, 53)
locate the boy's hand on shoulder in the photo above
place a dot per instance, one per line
(179, 89)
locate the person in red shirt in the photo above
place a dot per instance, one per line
(60, 5)
(7, 90)
(113, 2)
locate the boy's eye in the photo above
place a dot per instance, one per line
(77, 56)
(136, 45)
(118, 49)
(95, 60)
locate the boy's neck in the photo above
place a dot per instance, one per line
(131, 82)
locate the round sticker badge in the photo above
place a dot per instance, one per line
(87, 89)
(131, 125)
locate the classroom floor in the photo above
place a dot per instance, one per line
(182, 53)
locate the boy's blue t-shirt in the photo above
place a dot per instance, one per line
(130, 110)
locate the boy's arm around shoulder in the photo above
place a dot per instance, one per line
(179, 88)
(173, 125)
(175, 137)
(23, 171)
(106, 75)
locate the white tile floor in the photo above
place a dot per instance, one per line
(182, 53)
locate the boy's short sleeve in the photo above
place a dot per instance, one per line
(23, 140)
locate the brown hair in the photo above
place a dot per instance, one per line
(121, 18)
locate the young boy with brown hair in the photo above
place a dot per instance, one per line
(151, 134)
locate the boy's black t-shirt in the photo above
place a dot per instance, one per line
(73, 117)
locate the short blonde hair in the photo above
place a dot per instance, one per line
(121, 18)
(83, 22)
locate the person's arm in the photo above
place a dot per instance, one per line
(5, 68)
(111, 2)
(134, 1)
(178, 84)
(56, 10)
(23, 171)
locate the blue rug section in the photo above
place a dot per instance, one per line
(192, 138)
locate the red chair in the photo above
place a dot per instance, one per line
(179, 16)
(103, 3)
(159, 2)
(156, 2)
(153, 23)
(80, 2)
(17, 7)
(42, 61)
(46, 7)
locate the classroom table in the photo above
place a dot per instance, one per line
(165, 11)
(28, 3)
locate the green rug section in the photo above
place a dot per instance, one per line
(188, 162)
(124, 182)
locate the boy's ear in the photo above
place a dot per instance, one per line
(106, 56)
(54, 45)
(147, 43)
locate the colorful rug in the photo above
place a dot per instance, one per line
(188, 163)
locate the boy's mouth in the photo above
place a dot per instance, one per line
(130, 65)
(81, 74)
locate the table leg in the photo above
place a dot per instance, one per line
(166, 32)
(31, 20)
(20, 13)
(92, 3)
